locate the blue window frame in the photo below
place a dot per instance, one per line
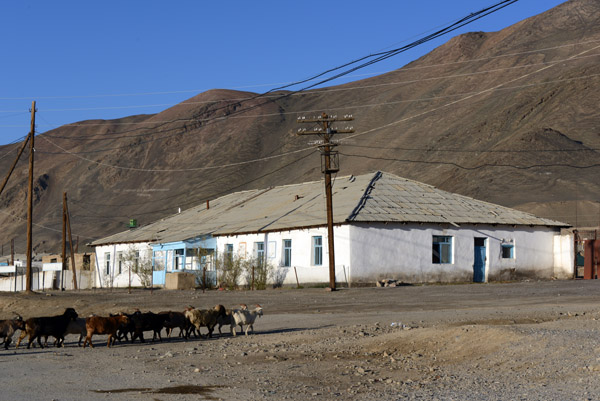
(442, 249)
(317, 250)
(259, 251)
(508, 251)
(287, 252)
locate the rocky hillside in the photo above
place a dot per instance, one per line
(510, 117)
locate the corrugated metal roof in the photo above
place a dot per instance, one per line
(377, 197)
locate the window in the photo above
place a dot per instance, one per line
(136, 261)
(317, 250)
(287, 252)
(179, 259)
(508, 251)
(107, 261)
(272, 250)
(229, 252)
(442, 249)
(259, 251)
(120, 261)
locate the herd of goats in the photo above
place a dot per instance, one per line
(125, 326)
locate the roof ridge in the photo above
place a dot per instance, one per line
(363, 199)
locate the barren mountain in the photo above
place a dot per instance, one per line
(510, 117)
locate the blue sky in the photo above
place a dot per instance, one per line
(106, 59)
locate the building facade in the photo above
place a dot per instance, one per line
(386, 227)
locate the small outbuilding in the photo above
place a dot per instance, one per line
(386, 227)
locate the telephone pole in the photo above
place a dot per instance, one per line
(329, 165)
(68, 221)
(30, 200)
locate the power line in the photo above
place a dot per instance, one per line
(155, 93)
(79, 137)
(317, 92)
(489, 90)
(429, 150)
(377, 57)
(197, 120)
(477, 167)
(212, 196)
(183, 169)
(468, 94)
(215, 194)
(403, 69)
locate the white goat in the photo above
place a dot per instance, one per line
(244, 317)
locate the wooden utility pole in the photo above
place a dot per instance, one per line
(329, 165)
(30, 201)
(12, 259)
(64, 240)
(68, 221)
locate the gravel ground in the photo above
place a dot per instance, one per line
(526, 340)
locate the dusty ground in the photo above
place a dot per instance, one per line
(529, 340)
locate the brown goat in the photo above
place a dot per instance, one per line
(104, 325)
(8, 328)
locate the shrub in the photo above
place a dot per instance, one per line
(229, 270)
(259, 269)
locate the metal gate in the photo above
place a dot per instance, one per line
(587, 255)
(591, 263)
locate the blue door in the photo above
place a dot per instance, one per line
(158, 277)
(479, 261)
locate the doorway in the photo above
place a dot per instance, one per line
(479, 260)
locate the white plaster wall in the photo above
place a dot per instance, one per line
(118, 280)
(404, 252)
(301, 253)
(563, 256)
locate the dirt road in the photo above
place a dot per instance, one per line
(528, 340)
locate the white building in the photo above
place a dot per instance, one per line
(385, 227)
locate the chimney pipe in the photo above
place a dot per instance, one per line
(207, 204)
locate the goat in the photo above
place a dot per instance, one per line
(176, 319)
(76, 326)
(104, 325)
(147, 322)
(244, 317)
(9, 327)
(205, 318)
(125, 330)
(226, 320)
(54, 326)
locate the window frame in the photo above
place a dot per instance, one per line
(136, 261)
(444, 246)
(510, 247)
(107, 262)
(120, 261)
(228, 251)
(317, 250)
(259, 254)
(287, 252)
